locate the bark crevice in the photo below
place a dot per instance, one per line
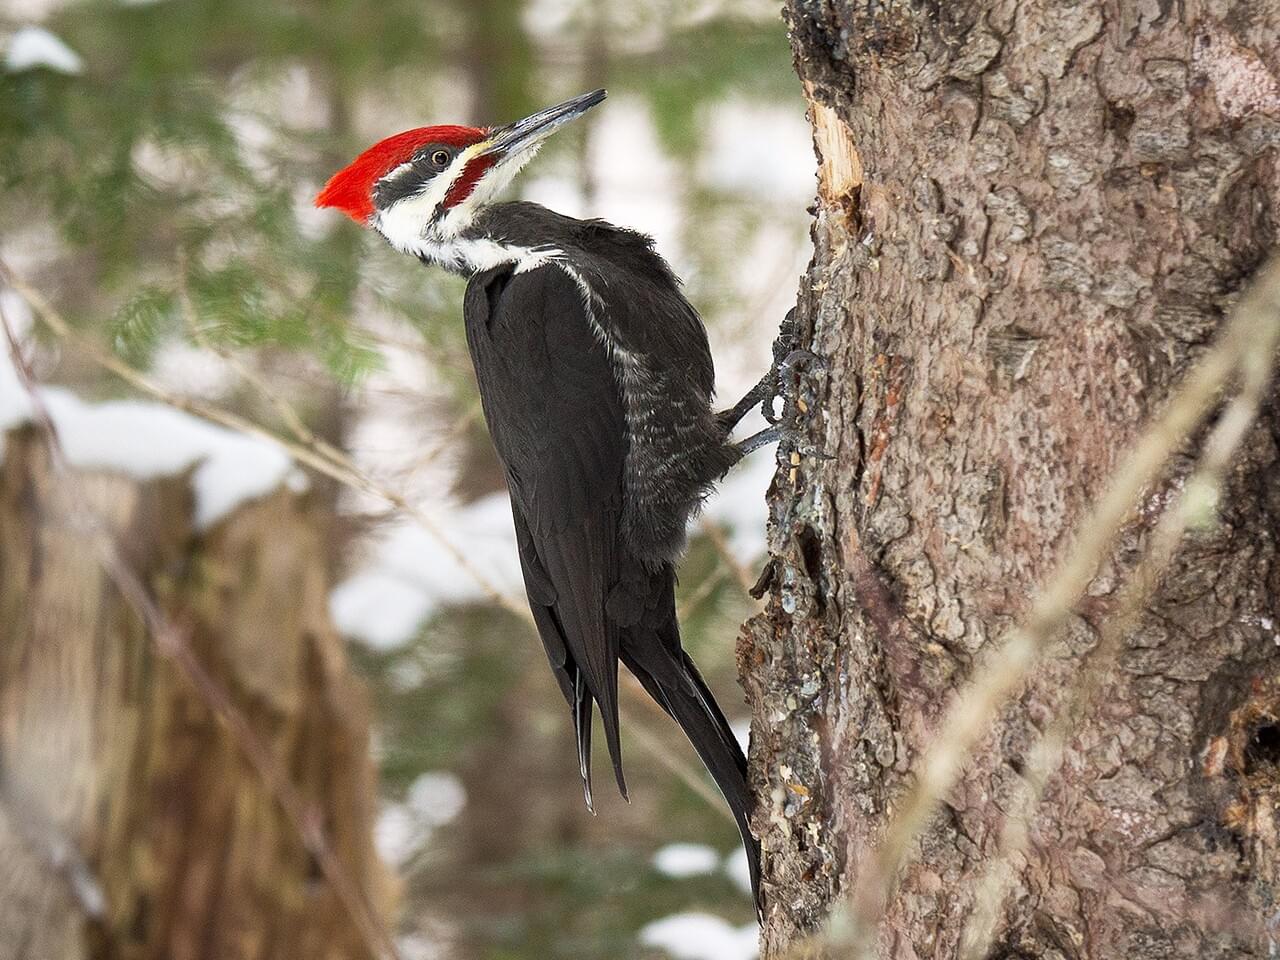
(1031, 219)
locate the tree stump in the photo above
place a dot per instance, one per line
(132, 824)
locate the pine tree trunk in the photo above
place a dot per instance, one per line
(132, 824)
(1032, 217)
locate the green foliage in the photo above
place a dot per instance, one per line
(703, 64)
(140, 323)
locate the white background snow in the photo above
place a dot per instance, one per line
(701, 936)
(33, 47)
(146, 440)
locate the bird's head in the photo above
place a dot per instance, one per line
(422, 188)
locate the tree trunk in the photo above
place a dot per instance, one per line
(1032, 217)
(132, 824)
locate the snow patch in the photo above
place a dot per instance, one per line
(419, 946)
(738, 870)
(700, 936)
(395, 834)
(686, 860)
(32, 47)
(402, 829)
(412, 574)
(150, 440)
(436, 797)
(761, 149)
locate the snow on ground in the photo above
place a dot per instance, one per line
(436, 797)
(737, 869)
(411, 573)
(700, 936)
(32, 47)
(420, 946)
(402, 829)
(682, 860)
(148, 440)
(395, 834)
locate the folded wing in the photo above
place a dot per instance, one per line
(555, 414)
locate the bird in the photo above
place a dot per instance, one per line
(596, 381)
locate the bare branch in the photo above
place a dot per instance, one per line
(1195, 505)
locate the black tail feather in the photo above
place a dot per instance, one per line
(692, 706)
(609, 718)
(582, 704)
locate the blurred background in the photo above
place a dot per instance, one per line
(158, 161)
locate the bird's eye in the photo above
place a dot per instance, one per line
(440, 158)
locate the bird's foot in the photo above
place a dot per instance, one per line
(796, 378)
(800, 375)
(788, 436)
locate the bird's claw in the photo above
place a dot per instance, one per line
(788, 337)
(799, 378)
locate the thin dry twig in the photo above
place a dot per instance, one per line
(1195, 505)
(704, 590)
(1198, 498)
(171, 643)
(1247, 344)
(444, 441)
(665, 756)
(284, 410)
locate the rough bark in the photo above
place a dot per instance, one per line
(108, 754)
(1032, 217)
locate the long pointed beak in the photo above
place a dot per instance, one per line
(532, 130)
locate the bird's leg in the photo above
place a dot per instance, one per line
(789, 434)
(797, 377)
(771, 385)
(762, 393)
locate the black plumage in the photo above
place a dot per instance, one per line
(596, 381)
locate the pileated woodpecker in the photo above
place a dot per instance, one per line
(596, 381)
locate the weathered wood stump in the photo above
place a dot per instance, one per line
(122, 794)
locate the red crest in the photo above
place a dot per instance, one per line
(351, 188)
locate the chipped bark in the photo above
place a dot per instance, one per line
(1031, 218)
(109, 757)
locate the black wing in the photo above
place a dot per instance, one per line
(555, 414)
